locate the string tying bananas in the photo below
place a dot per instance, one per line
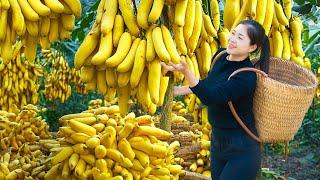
(19, 79)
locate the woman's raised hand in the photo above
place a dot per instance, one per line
(182, 66)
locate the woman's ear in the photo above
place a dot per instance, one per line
(252, 48)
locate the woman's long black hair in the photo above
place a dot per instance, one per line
(258, 37)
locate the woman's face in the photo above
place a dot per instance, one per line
(239, 41)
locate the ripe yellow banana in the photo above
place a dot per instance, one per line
(280, 14)
(39, 7)
(159, 45)
(215, 13)
(206, 57)
(261, 11)
(164, 81)
(121, 52)
(127, 64)
(3, 24)
(17, 17)
(30, 50)
(286, 44)
(269, 16)
(154, 78)
(68, 21)
(124, 95)
(54, 30)
(32, 28)
(105, 49)
(118, 29)
(139, 63)
(150, 52)
(245, 9)
(27, 11)
(87, 46)
(209, 26)
(111, 77)
(123, 79)
(54, 5)
(231, 11)
(143, 13)
(287, 8)
(110, 11)
(156, 10)
(179, 40)
(189, 20)
(44, 26)
(75, 6)
(101, 82)
(223, 37)
(296, 30)
(192, 43)
(169, 44)
(6, 48)
(180, 12)
(129, 18)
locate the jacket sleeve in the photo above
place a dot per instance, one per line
(240, 85)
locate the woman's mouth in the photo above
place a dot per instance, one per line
(231, 46)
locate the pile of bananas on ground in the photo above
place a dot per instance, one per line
(189, 138)
(28, 163)
(19, 81)
(123, 50)
(178, 107)
(60, 76)
(35, 22)
(202, 164)
(96, 103)
(99, 144)
(284, 29)
(23, 126)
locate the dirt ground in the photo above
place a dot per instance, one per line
(302, 164)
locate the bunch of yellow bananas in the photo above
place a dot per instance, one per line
(283, 29)
(23, 126)
(94, 104)
(122, 52)
(202, 163)
(19, 81)
(99, 143)
(58, 80)
(28, 163)
(178, 107)
(35, 22)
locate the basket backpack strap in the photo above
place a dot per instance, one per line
(217, 57)
(234, 112)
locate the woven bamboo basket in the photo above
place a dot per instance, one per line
(282, 99)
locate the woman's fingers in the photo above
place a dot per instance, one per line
(169, 68)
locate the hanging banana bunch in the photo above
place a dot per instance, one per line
(123, 50)
(19, 79)
(60, 76)
(35, 22)
(283, 29)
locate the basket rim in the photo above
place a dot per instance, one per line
(307, 72)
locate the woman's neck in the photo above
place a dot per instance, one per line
(231, 57)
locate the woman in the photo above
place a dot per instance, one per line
(234, 155)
